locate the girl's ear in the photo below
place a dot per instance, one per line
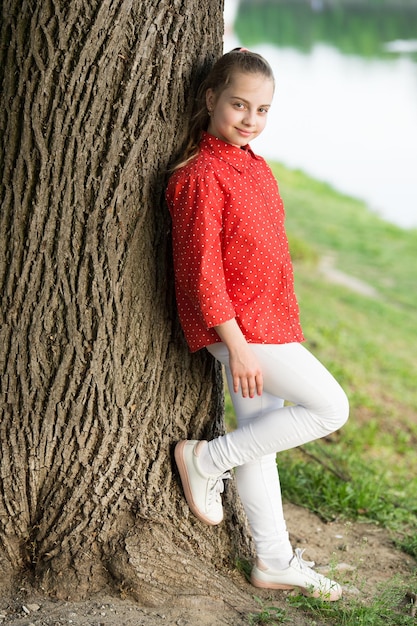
(210, 99)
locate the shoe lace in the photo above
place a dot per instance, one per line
(216, 487)
(305, 565)
(323, 584)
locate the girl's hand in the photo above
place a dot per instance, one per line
(246, 371)
(244, 365)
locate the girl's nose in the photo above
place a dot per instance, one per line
(250, 118)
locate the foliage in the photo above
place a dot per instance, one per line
(408, 543)
(361, 30)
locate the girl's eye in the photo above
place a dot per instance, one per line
(239, 105)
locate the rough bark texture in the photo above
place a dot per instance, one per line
(96, 381)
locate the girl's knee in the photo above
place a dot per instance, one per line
(340, 411)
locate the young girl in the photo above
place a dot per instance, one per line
(235, 297)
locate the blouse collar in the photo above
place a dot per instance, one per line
(239, 158)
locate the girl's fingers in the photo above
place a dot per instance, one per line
(252, 385)
(236, 381)
(245, 387)
(259, 384)
(249, 384)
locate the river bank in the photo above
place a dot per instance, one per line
(345, 98)
(318, 5)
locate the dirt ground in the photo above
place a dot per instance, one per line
(363, 554)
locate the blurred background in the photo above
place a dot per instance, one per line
(345, 105)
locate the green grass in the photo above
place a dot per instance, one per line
(368, 343)
(390, 607)
(366, 246)
(268, 615)
(367, 471)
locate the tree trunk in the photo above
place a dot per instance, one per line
(96, 380)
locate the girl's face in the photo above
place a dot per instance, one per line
(238, 114)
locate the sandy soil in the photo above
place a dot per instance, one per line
(364, 555)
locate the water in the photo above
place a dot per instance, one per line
(347, 119)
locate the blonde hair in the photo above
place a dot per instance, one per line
(219, 77)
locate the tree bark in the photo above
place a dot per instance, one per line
(97, 383)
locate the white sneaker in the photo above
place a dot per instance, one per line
(298, 574)
(202, 491)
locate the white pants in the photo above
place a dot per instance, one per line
(266, 426)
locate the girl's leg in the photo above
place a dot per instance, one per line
(290, 371)
(260, 492)
(265, 425)
(258, 485)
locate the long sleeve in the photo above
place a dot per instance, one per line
(196, 204)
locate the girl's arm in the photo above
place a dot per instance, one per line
(243, 363)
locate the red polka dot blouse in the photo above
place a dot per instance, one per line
(231, 256)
